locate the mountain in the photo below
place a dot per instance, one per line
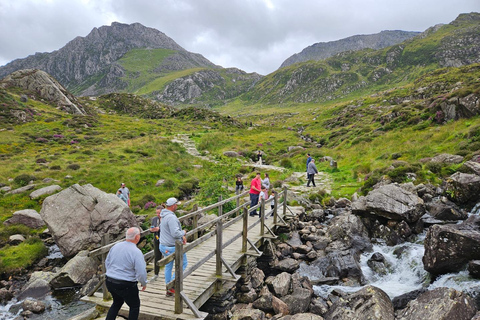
(134, 59)
(367, 71)
(324, 50)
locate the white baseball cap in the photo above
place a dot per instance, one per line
(171, 201)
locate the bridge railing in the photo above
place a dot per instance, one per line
(221, 222)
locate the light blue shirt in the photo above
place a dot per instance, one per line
(125, 262)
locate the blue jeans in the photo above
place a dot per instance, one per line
(166, 251)
(253, 202)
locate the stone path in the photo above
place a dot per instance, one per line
(322, 179)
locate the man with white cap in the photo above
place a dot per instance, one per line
(126, 193)
(170, 232)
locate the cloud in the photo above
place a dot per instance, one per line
(254, 35)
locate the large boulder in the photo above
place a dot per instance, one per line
(79, 216)
(439, 304)
(472, 167)
(443, 209)
(392, 202)
(449, 247)
(37, 286)
(463, 187)
(77, 271)
(28, 217)
(446, 158)
(369, 303)
(350, 231)
(44, 191)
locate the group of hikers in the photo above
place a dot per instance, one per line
(125, 264)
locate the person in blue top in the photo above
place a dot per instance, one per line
(171, 231)
(125, 267)
(121, 196)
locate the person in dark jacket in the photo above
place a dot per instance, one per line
(155, 229)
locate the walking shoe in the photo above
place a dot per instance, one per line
(170, 292)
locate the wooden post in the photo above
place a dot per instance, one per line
(195, 222)
(218, 251)
(284, 202)
(220, 208)
(245, 230)
(238, 199)
(178, 276)
(104, 242)
(262, 217)
(275, 205)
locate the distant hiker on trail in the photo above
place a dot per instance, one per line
(155, 229)
(259, 157)
(266, 182)
(121, 196)
(255, 189)
(170, 232)
(125, 267)
(238, 185)
(311, 171)
(308, 161)
(125, 192)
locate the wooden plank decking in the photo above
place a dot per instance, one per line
(199, 286)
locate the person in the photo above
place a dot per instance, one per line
(121, 196)
(272, 196)
(311, 171)
(125, 192)
(266, 182)
(238, 185)
(125, 267)
(263, 195)
(259, 157)
(155, 229)
(308, 161)
(255, 189)
(170, 232)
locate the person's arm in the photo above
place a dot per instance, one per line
(140, 269)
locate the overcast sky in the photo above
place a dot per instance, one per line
(253, 35)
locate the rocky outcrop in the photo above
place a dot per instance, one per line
(28, 217)
(463, 187)
(79, 216)
(367, 303)
(449, 247)
(391, 202)
(443, 209)
(439, 304)
(46, 87)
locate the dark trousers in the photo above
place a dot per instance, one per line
(157, 253)
(123, 291)
(253, 202)
(311, 179)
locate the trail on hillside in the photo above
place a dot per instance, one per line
(322, 179)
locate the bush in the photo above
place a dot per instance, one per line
(318, 196)
(23, 179)
(286, 163)
(146, 198)
(277, 183)
(55, 168)
(73, 166)
(434, 167)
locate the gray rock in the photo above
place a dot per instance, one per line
(446, 158)
(44, 191)
(77, 271)
(28, 217)
(443, 209)
(302, 316)
(288, 265)
(79, 216)
(89, 314)
(5, 189)
(37, 286)
(298, 301)
(16, 239)
(368, 303)
(281, 284)
(264, 302)
(472, 167)
(33, 305)
(231, 154)
(392, 202)
(257, 278)
(21, 190)
(295, 240)
(248, 314)
(159, 182)
(474, 268)
(5, 295)
(463, 187)
(439, 304)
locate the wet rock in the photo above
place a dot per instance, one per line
(44, 191)
(96, 213)
(377, 264)
(463, 187)
(368, 303)
(392, 202)
(77, 271)
(350, 231)
(33, 305)
(5, 295)
(474, 268)
(439, 304)
(29, 217)
(92, 313)
(449, 247)
(444, 209)
(401, 301)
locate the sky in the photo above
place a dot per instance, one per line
(252, 35)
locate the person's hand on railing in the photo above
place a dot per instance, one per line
(144, 287)
(184, 240)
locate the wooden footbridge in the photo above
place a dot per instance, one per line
(213, 258)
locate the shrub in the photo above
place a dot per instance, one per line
(149, 204)
(41, 160)
(146, 198)
(286, 163)
(55, 168)
(169, 184)
(277, 183)
(73, 166)
(434, 167)
(23, 179)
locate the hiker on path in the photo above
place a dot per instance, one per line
(121, 196)
(170, 232)
(308, 161)
(266, 182)
(238, 185)
(311, 171)
(125, 192)
(125, 267)
(259, 157)
(155, 229)
(255, 189)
